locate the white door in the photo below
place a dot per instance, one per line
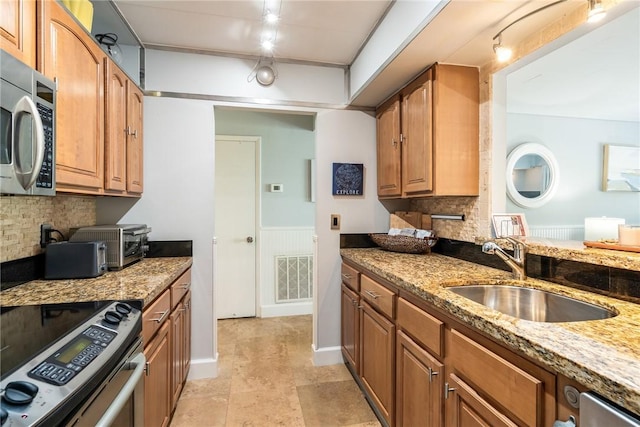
(235, 226)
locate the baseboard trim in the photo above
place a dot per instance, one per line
(289, 309)
(203, 368)
(327, 356)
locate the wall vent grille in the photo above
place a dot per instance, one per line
(294, 278)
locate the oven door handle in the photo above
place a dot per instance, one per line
(138, 364)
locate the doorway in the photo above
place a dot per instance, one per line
(236, 182)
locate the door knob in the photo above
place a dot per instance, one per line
(249, 239)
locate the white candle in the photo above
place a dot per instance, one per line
(601, 228)
(629, 235)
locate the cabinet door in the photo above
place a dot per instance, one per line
(71, 57)
(18, 29)
(157, 380)
(115, 143)
(417, 137)
(466, 408)
(419, 385)
(350, 327)
(186, 352)
(177, 348)
(389, 150)
(134, 139)
(377, 359)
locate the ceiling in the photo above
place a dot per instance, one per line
(332, 32)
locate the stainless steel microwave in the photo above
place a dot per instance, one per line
(27, 129)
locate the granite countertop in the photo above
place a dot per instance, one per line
(603, 355)
(144, 280)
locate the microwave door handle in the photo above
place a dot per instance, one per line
(26, 106)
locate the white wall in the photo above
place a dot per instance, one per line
(178, 203)
(221, 76)
(341, 137)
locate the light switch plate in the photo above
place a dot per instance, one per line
(335, 222)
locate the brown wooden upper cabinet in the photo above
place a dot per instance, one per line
(18, 29)
(98, 111)
(123, 133)
(68, 55)
(428, 136)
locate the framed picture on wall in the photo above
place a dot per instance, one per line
(621, 169)
(510, 225)
(348, 179)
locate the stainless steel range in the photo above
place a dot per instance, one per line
(72, 364)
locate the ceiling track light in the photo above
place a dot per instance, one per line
(503, 53)
(264, 72)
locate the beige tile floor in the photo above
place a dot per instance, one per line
(266, 378)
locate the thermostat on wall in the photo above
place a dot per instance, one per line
(277, 188)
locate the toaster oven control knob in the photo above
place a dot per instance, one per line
(112, 318)
(20, 392)
(123, 309)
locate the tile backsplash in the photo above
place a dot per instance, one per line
(21, 216)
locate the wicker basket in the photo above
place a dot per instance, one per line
(404, 244)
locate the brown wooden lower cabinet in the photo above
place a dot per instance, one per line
(377, 354)
(166, 333)
(466, 408)
(350, 328)
(157, 379)
(419, 385)
(420, 366)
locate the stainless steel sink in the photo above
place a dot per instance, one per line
(532, 304)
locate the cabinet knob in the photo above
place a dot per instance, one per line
(249, 239)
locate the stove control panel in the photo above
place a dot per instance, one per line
(55, 381)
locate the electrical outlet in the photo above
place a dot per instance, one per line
(45, 235)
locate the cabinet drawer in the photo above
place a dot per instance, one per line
(350, 277)
(423, 327)
(154, 316)
(512, 388)
(180, 287)
(378, 296)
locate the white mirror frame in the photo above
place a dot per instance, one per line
(554, 177)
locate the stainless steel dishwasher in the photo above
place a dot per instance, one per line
(597, 412)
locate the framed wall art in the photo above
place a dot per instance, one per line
(348, 179)
(621, 169)
(510, 225)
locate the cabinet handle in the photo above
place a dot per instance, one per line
(354, 303)
(186, 286)
(135, 134)
(346, 276)
(147, 368)
(432, 373)
(448, 390)
(394, 143)
(160, 319)
(372, 294)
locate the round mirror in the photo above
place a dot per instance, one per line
(532, 175)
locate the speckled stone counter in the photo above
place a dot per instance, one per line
(575, 250)
(603, 355)
(144, 281)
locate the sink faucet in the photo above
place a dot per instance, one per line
(517, 262)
